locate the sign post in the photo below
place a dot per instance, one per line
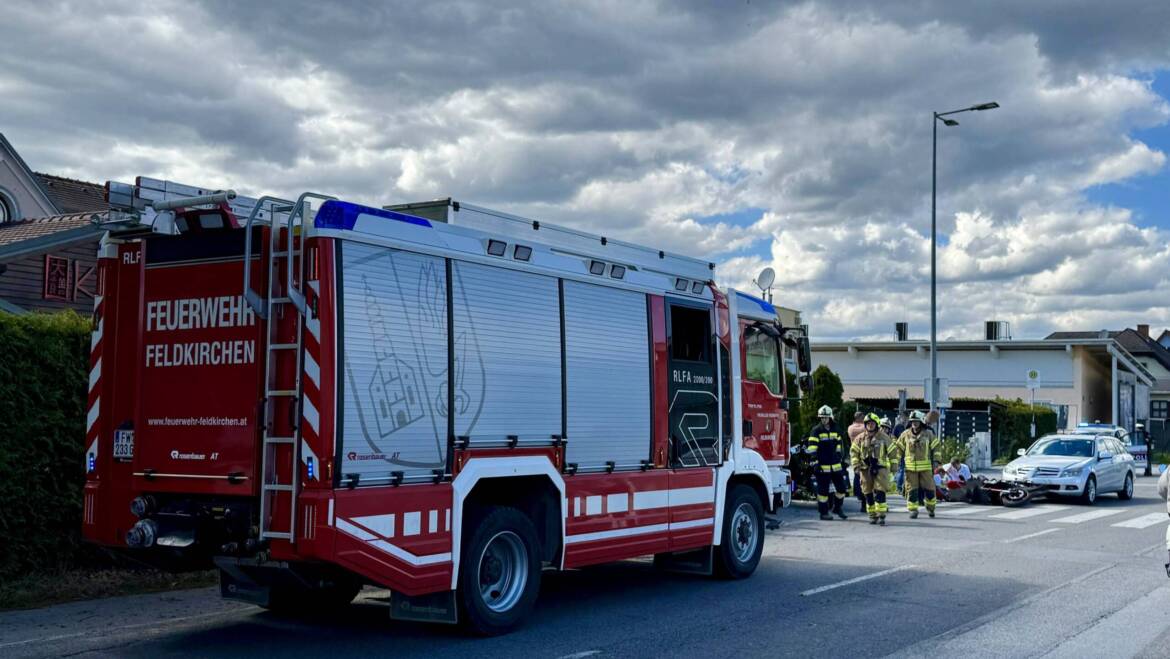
(1033, 383)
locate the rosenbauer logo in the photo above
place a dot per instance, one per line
(354, 455)
(175, 455)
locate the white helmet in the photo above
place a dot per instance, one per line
(825, 411)
(918, 416)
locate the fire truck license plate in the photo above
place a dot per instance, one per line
(123, 444)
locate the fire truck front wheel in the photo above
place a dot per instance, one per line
(500, 571)
(743, 534)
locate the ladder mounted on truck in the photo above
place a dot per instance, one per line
(148, 206)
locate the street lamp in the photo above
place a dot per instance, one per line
(939, 116)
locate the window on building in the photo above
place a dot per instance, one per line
(1159, 409)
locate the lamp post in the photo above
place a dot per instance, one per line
(939, 116)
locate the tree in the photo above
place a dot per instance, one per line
(826, 390)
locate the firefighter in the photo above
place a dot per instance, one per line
(870, 456)
(826, 446)
(919, 448)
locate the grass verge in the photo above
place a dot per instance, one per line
(37, 590)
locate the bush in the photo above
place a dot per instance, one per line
(951, 448)
(44, 364)
(1010, 425)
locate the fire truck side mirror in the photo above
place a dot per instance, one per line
(803, 354)
(806, 383)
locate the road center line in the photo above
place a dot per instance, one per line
(850, 582)
(1030, 535)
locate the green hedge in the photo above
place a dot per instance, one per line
(44, 362)
(1011, 422)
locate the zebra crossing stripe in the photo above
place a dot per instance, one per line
(1080, 518)
(1142, 522)
(1025, 513)
(954, 512)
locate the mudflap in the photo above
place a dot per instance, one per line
(234, 584)
(698, 561)
(433, 607)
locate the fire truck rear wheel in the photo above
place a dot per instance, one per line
(743, 534)
(500, 569)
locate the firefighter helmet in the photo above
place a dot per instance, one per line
(885, 422)
(825, 411)
(918, 416)
(877, 421)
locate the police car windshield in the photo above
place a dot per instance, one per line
(1080, 448)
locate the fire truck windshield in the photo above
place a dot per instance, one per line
(762, 363)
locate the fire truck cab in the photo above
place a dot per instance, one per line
(439, 399)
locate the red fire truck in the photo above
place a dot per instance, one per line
(435, 398)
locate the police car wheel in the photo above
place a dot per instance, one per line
(499, 573)
(743, 534)
(1126, 491)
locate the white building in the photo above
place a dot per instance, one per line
(1082, 379)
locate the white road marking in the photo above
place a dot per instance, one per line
(1080, 518)
(1142, 522)
(1025, 513)
(1030, 535)
(580, 655)
(966, 510)
(850, 582)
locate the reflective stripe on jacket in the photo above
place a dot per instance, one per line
(920, 451)
(877, 446)
(827, 445)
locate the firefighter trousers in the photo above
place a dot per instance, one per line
(840, 484)
(874, 489)
(918, 484)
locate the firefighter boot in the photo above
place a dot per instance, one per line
(881, 520)
(837, 508)
(823, 507)
(914, 514)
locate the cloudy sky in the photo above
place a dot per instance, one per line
(795, 135)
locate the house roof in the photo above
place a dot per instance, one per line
(44, 234)
(1133, 342)
(72, 196)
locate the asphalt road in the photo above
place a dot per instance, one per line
(1052, 579)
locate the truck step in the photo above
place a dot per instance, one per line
(282, 392)
(279, 440)
(277, 487)
(282, 346)
(277, 535)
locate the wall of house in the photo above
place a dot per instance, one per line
(23, 281)
(17, 186)
(983, 369)
(1096, 386)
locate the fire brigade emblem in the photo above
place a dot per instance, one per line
(401, 389)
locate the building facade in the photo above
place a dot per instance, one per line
(48, 238)
(1081, 379)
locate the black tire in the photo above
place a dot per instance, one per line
(498, 587)
(1015, 497)
(743, 534)
(1126, 491)
(1089, 496)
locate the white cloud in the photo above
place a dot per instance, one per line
(641, 119)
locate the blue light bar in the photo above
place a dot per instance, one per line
(309, 463)
(335, 214)
(91, 463)
(763, 304)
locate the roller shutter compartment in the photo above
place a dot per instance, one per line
(507, 339)
(395, 349)
(607, 357)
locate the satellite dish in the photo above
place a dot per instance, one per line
(766, 279)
